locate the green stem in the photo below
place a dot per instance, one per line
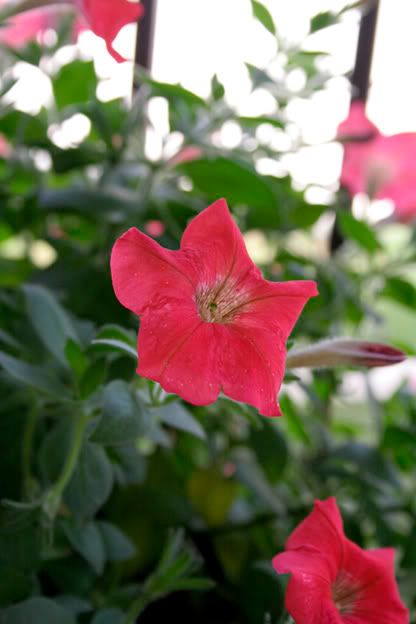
(54, 496)
(136, 609)
(27, 445)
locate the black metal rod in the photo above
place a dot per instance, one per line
(360, 82)
(360, 79)
(145, 35)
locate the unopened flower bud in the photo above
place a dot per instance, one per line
(344, 352)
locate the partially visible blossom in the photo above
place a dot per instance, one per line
(155, 228)
(26, 27)
(107, 17)
(185, 154)
(356, 125)
(104, 17)
(334, 581)
(5, 148)
(209, 321)
(344, 352)
(381, 166)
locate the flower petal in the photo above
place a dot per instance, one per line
(180, 351)
(145, 274)
(216, 246)
(378, 600)
(107, 17)
(308, 595)
(252, 368)
(323, 530)
(255, 348)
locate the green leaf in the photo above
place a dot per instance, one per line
(108, 616)
(116, 332)
(116, 345)
(74, 604)
(263, 15)
(294, 421)
(254, 122)
(261, 593)
(118, 547)
(92, 379)
(271, 450)
(87, 540)
(305, 215)
(36, 611)
(217, 88)
(323, 20)
(65, 160)
(75, 83)
(170, 91)
(15, 585)
(123, 417)
(251, 475)
(49, 320)
(359, 232)
(33, 376)
(91, 482)
(21, 128)
(75, 357)
(177, 416)
(238, 182)
(112, 201)
(401, 291)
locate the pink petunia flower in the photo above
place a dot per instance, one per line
(5, 148)
(381, 166)
(334, 581)
(208, 319)
(185, 154)
(104, 17)
(26, 27)
(155, 228)
(107, 17)
(345, 352)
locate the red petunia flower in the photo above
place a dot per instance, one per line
(381, 166)
(208, 319)
(25, 27)
(107, 17)
(333, 581)
(104, 17)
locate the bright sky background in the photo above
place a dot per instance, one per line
(197, 38)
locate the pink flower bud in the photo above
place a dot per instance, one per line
(154, 228)
(344, 352)
(186, 154)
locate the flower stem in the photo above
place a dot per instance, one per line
(53, 498)
(136, 609)
(27, 446)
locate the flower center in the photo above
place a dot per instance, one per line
(345, 593)
(219, 303)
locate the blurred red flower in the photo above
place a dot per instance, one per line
(26, 27)
(334, 581)
(208, 319)
(185, 154)
(107, 17)
(155, 228)
(381, 166)
(5, 148)
(104, 17)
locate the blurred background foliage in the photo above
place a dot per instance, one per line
(118, 500)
